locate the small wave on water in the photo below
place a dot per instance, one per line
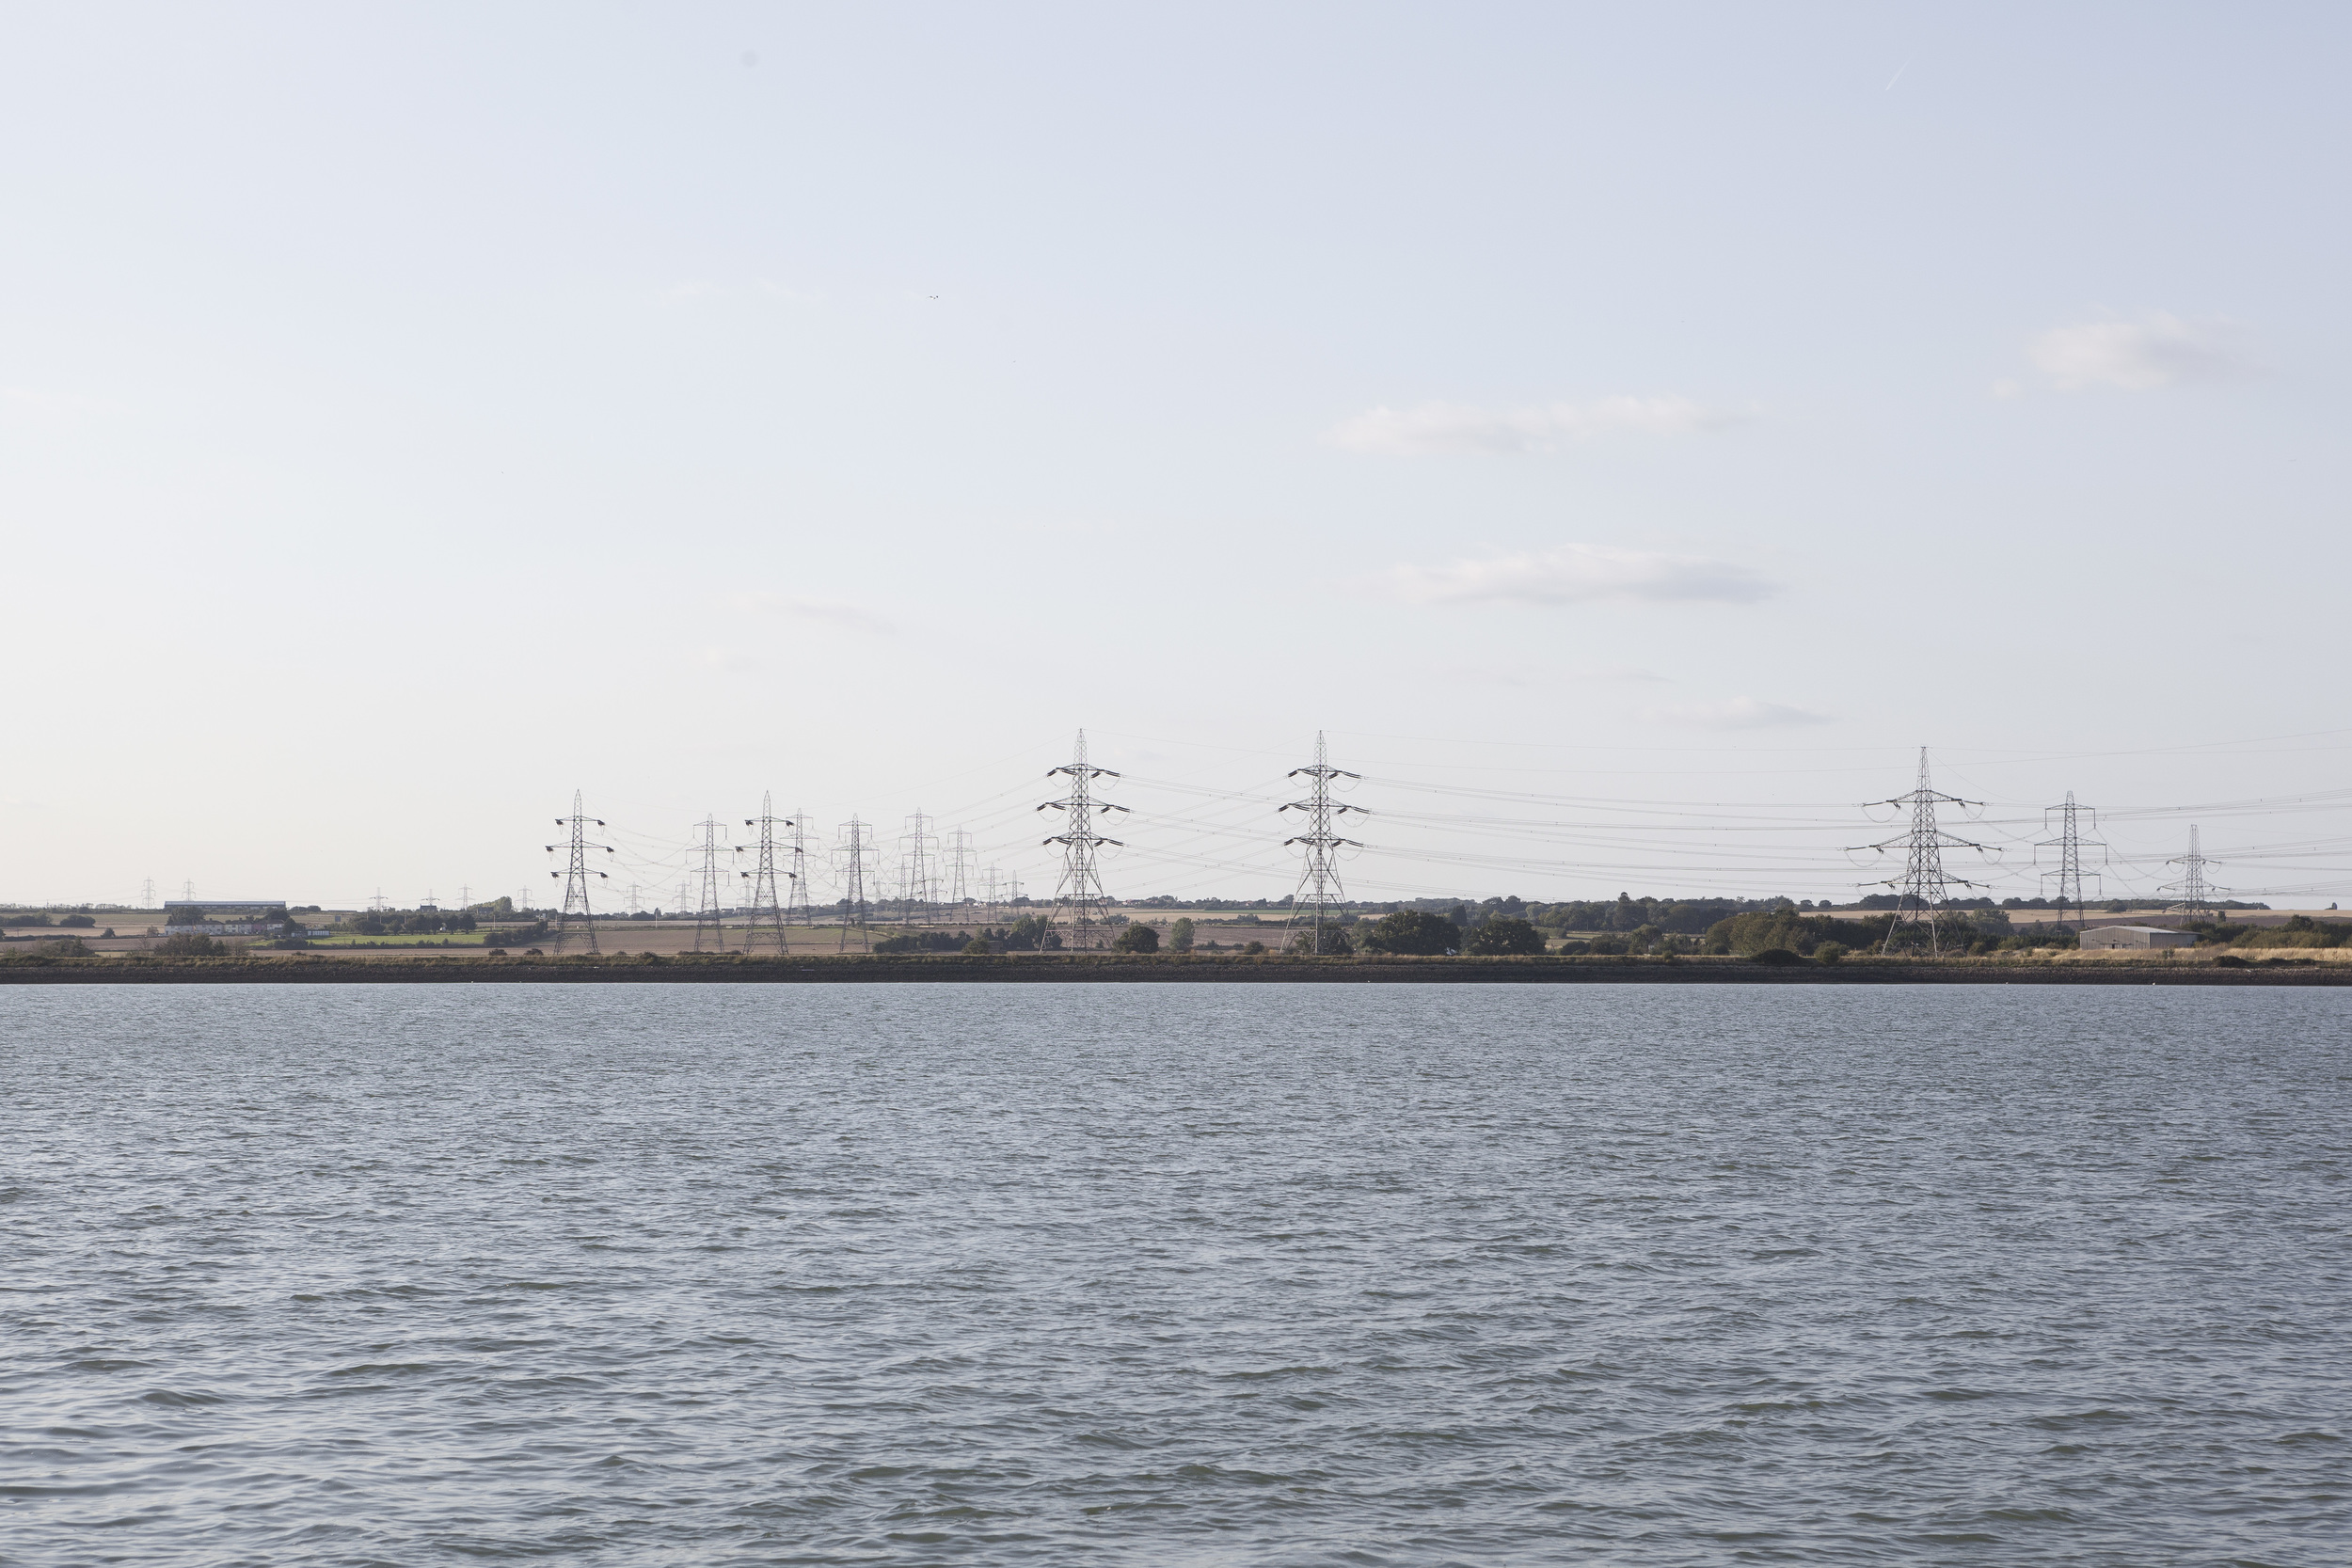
(1174, 1275)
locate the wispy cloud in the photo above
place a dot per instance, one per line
(1578, 574)
(1457, 428)
(1739, 713)
(790, 608)
(2142, 356)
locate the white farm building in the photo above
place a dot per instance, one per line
(2138, 936)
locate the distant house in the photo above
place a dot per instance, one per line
(2138, 936)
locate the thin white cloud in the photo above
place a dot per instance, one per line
(1520, 674)
(1436, 428)
(1739, 713)
(791, 608)
(1578, 574)
(2142, 356)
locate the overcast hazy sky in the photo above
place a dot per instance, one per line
(410, 414)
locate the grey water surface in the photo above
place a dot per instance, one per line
(1038, 1275)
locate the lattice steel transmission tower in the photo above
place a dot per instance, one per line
(767, 916)
(796, 904)
(1921, 886)
(147, 895)
(709, 915)
(2068, 843)
(960, 858)
(1080, 891)
(2196, 895)
(1319, 878)
(854, 848)
(575, 879)
(917, 861)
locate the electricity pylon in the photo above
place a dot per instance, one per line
(709, 915)
(576, 880)
(914, 871)
(2069, 845)
(855, 846)
(1921, 886)
(961, 856)
(2196, 895)
(1319, 879)
(1080, 889)
(796, 909)
(766, 918)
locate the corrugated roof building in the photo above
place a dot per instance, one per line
(2138, 936)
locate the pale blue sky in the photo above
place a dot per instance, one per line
(409, 414)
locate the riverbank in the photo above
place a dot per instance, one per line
(736, 968)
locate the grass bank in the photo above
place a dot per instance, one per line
(431, 967)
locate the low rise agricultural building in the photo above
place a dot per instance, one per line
(2137, 937)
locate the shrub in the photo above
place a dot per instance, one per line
(2300, 930)
(1336, 944)
(924, 941)
(194, 944)
(977, 948)
(1506, 935)
(1180, 936)
(1138, 938)
(1775, 956)
(1413, 931)
(81, 922)
(1829, 952)
(1252, 948)
(2231, 961)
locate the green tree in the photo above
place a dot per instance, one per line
(1415, 931)
(1335, 943)
(1180, 935)
(1506, 935)
(1138, 938)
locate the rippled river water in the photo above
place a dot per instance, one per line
(411, 1275)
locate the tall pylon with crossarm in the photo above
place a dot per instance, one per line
(1924, 881)
(1319, 877)
(2196, 895)
(1080, 905)
(796, 904)
(575, 912)
(857, 846)
(767, 915)
(710, 914)
(2070, 843)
